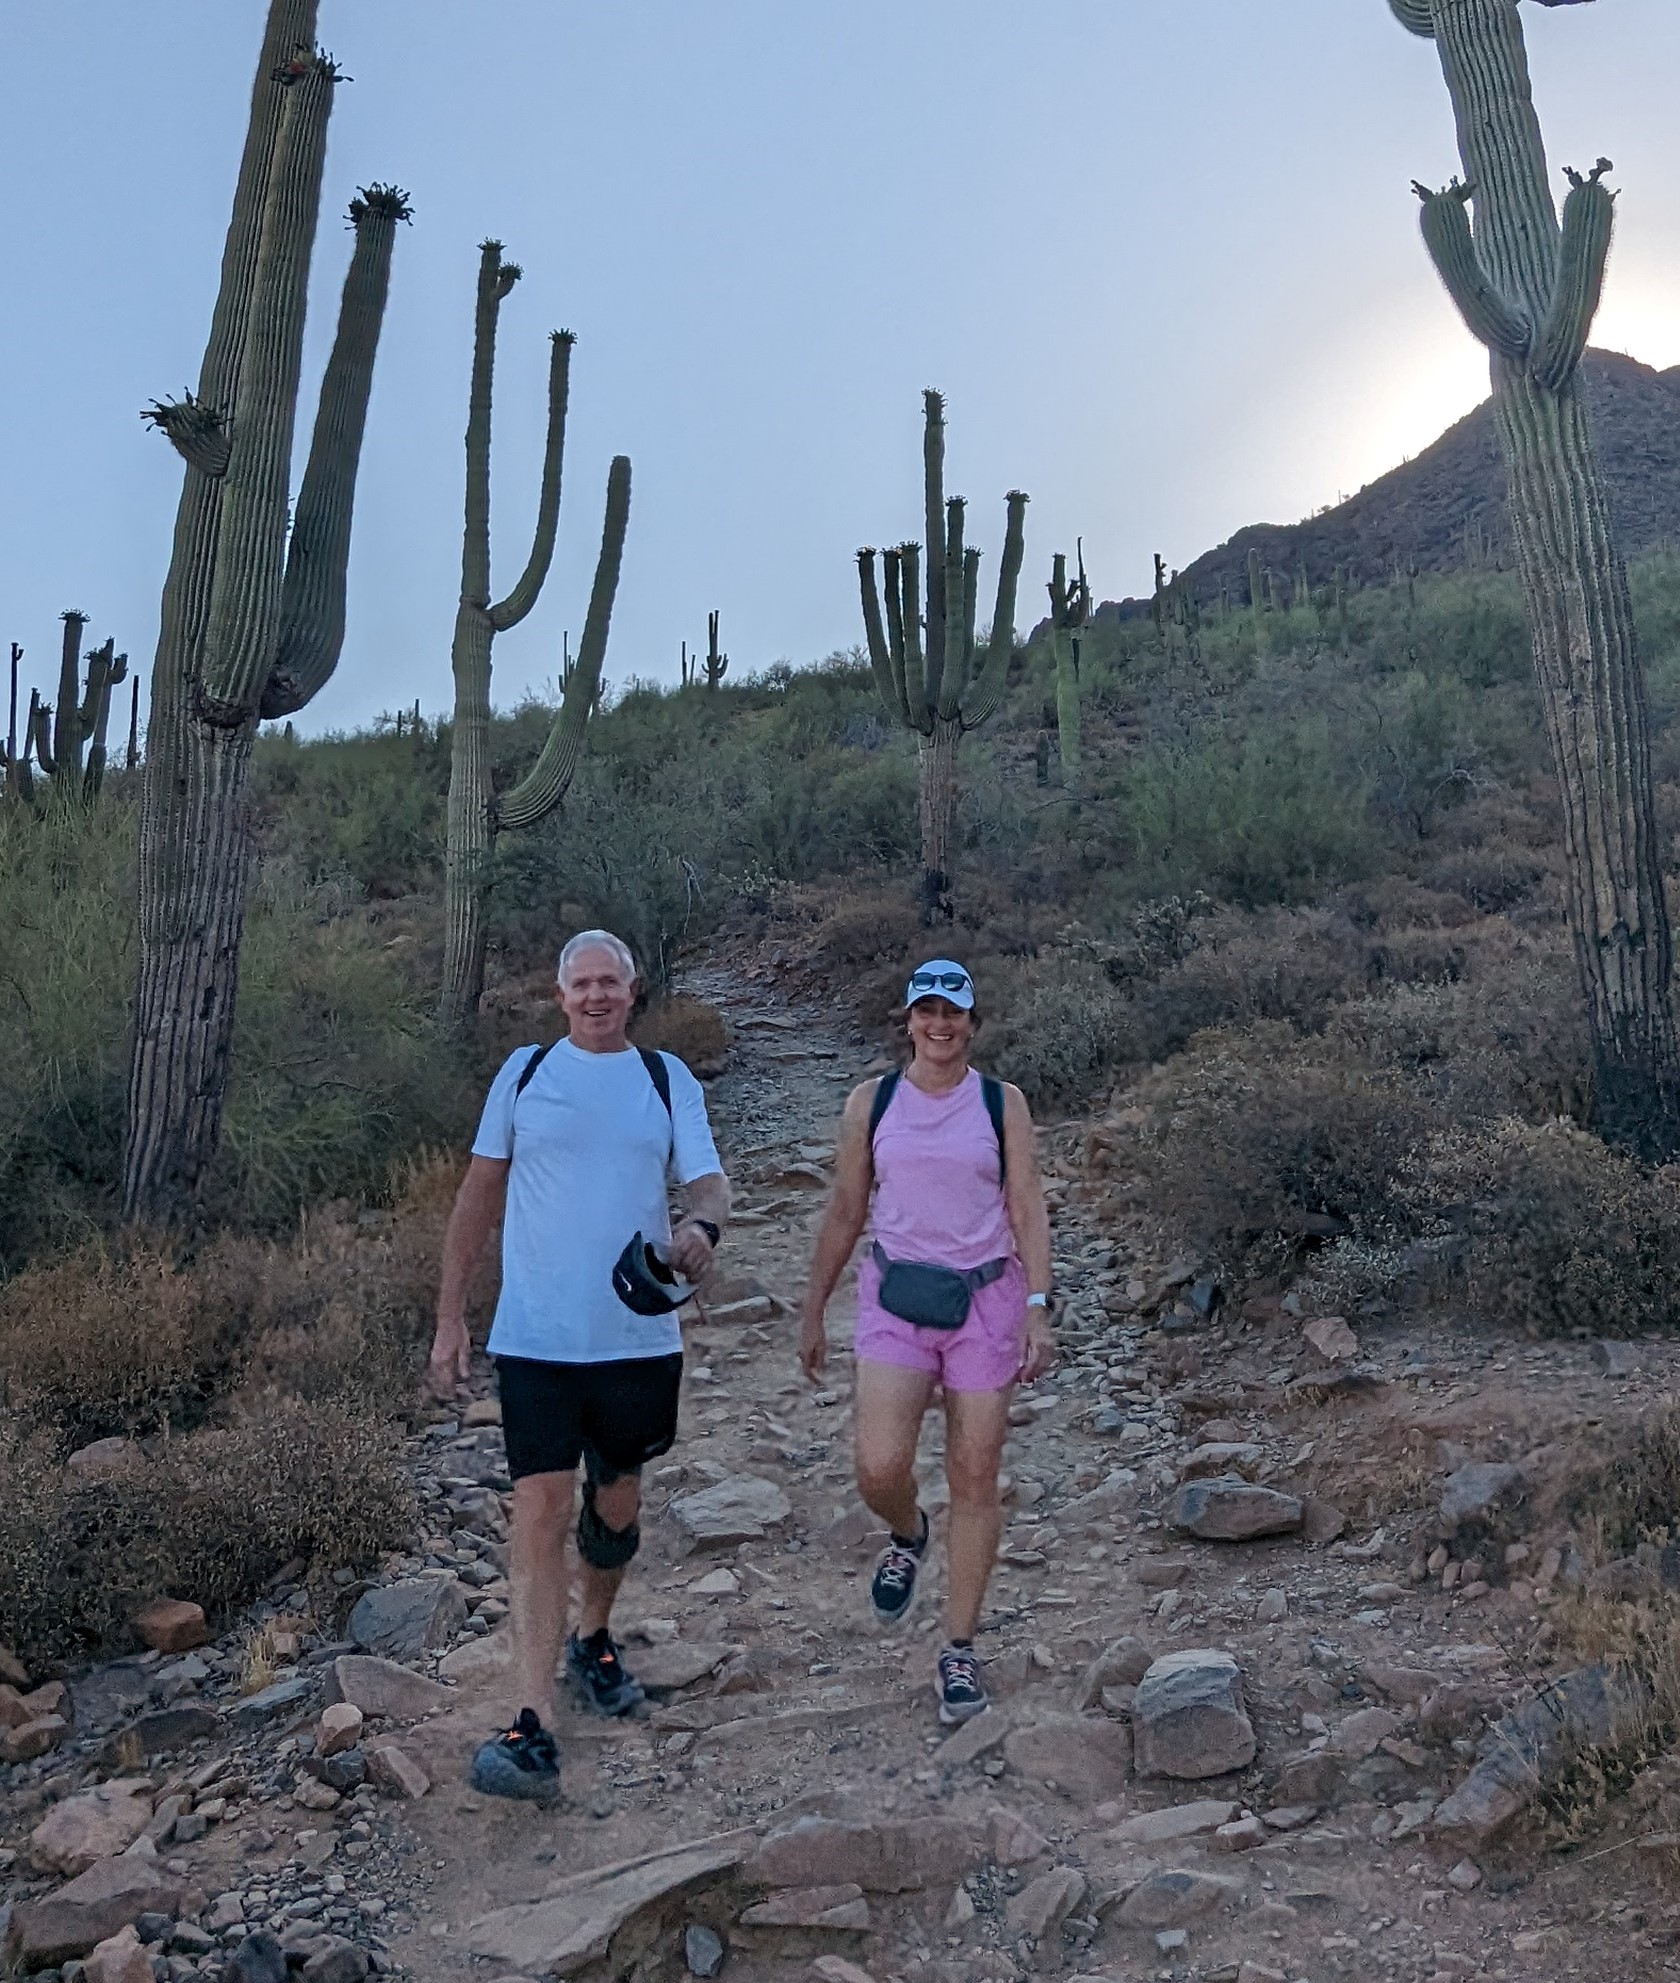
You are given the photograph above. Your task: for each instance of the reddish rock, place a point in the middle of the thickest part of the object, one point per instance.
(14, 1711)
(395, 1771)
(339, 1728)
(92, 1907)
(84, 1829)
(119, 1959)
(13, 1672)
(382, 1687)
(30, 1739)
(172, 1625)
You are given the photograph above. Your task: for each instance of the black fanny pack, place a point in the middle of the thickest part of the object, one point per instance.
(932, 1297)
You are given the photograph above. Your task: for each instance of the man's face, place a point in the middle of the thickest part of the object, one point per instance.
(597, 996)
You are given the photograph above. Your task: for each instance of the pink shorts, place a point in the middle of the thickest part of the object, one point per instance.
(985, 1354)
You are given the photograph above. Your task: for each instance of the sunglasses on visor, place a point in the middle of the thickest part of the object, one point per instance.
(926, 981)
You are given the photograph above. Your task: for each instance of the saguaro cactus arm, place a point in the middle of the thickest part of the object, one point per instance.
(717, 662)
(1589, 221)
(1418, 15)
(542, 788)
(885, 663)
(933, 495)
(318, 556)
(495, 282)
(985, 692)
(40, 733)
(198, 433)
(1452, 248)
(523, 597)
(67, 735)
(949, 677)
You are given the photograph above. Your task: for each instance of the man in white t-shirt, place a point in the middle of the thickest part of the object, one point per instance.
(572, 1155)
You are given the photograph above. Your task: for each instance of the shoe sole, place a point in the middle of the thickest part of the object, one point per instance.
(951, 1717)
(495, 1776)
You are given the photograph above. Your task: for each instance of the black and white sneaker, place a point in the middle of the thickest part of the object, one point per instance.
(598, 1674)
(962, 1695)
(520, 1762)
(892, 1589)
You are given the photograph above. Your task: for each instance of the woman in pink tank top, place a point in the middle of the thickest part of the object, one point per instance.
(953, 1293)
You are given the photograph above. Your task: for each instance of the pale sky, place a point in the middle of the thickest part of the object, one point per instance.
(1163, 259)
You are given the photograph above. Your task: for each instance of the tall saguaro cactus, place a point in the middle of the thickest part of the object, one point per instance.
(1528, 287)
(476, 814)
(1070, 609)
(252, 619)
(927, 670)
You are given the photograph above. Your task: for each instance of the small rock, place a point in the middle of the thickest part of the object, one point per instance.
(1240, 1835)
(1044, 1904)
(973, 1740)
(1466, 1876)
(1177, 1821)
(1359, 1735)
(1229, 1509)
(1013, 1840)
(335, 1960)
(90, 1908)
(339, 1728)
(1159, 1573)
(395, 1770)
(1188, 1719)
(119, 1959)
(1321, 1522)
(1170, 1899)
(482, 1411)
(702, 1950)
(381, 1687)
(1273, 1606)
(716, 1583)
(836, 1969)
(1409, 1685)
(961, 1911)
(881, 1856)
(1332, 1338)
(1477, 1492)
(103, 1457)
(314, 1795)
(1255, 1972)
(1171, 1940)
(13, 1672)
(172, 1625)
(274, 1700)
(1218, 1457)
(738, 1509)
(1618, 1359)
(402, 1620)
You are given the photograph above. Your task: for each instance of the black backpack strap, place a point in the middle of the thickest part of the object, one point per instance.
(659, 1074)
(529, 1069)
(992, 1092)
(885, 1089)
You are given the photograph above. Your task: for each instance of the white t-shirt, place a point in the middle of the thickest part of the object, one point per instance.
(590, 1143)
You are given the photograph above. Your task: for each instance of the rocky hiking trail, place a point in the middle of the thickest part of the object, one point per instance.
(1264, 1648)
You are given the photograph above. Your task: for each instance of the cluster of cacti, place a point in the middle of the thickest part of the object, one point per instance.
(1070, 609)
(710, 668)
(928, 671)
(65, 740)
(253, 604)
(476, 813)
(1528, 287)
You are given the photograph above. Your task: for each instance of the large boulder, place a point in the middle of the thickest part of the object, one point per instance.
(159, 1734)
(91, 1908)
(172, 1625)
(1228, 1508)
(1188, 1719)
(403, 1620)
(1478, 1492)
(738, 1509)
(882, 1856)
(91, 1826)
(573, 1925)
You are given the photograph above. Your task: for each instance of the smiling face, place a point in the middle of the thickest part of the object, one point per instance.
(941, 1033)
(597, 996)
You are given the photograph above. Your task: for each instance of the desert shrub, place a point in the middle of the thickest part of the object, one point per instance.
(1264, 1143)
(212, 1516)
(369, 806)
(1562, 1235)
(1059, 1030)
(688, 1027)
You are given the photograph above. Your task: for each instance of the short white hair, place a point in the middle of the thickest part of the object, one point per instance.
(597, 940)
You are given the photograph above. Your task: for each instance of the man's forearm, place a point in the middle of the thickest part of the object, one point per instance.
(709, 1198)
(470, 1225)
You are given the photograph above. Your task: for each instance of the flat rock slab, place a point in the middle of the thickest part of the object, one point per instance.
(279, 1699)
(91, 1908)
(810, 1907)
(158, 1733)
(678, 1663)
(1044, 1904)
(381, 1687)
(402, 1620)
(109, 1693)
(1188, 1719)
(573, 1925)
(1218, 1457)
(478, 1660)
(1230, 1509)
(886, 1856)
(89, 1827)
(1205, 1814)
(1086, 1757)
(974, 1739)
(1174, 1897)
(738, 1509)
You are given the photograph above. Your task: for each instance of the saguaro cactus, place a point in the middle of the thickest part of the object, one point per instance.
(19, 780)
(67, 738)
(1070, 609)
(252, 619)
(709, 668)
(934, 687)
(476, 814)
(1529, 287)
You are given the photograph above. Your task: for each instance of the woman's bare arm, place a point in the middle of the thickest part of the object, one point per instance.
(844, 1218)
(1029, 1220)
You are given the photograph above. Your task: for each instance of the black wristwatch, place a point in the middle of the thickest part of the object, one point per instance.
(713, 1233)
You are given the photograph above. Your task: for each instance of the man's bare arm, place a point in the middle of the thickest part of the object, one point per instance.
(477, 1211)
(707, 1198)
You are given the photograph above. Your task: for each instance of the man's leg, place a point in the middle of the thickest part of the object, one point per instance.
(976, 1425)
(617, 1504)
(891, 1403)
(542, 1516)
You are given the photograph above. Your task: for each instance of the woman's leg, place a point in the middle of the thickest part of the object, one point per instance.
(976, 1425)
(891, 1402)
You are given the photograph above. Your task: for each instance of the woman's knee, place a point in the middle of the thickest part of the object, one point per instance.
(881, 1471)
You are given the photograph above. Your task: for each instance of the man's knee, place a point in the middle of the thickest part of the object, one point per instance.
(602, 1546)
(543, 1500)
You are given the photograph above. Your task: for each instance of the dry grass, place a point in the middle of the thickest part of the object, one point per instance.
(688, 1027)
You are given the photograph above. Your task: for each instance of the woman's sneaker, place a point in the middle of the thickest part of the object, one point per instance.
(520, 1762)
(598, 1674)
(961, 1695)
(892, 1589)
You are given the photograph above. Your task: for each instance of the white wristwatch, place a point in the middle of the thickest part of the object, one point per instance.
(1038, 1301)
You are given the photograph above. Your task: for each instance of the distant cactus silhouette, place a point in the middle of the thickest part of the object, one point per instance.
(1070, 609)
(1528, 287)
(476, 815)
(65, 740)
(253, 613)
(710, 668)
(933, 686)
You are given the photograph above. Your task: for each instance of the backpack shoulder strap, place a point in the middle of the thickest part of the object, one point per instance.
(659, 1074)
(992, 1093)
(528, 1070)
(885, 1089)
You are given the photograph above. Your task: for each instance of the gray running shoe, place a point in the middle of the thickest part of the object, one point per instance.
(598, 1673)
(520, 1762)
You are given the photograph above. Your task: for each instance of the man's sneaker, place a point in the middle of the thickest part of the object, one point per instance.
(892, 1589)
(598, 1674)
(520, 1762)
(961, 1694)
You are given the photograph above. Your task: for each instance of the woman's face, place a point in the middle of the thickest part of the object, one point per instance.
(940, 1032)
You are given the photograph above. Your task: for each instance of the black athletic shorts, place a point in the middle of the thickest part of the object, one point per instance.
(613, 1416)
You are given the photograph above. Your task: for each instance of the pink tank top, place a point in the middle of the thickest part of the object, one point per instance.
(938, 1182)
